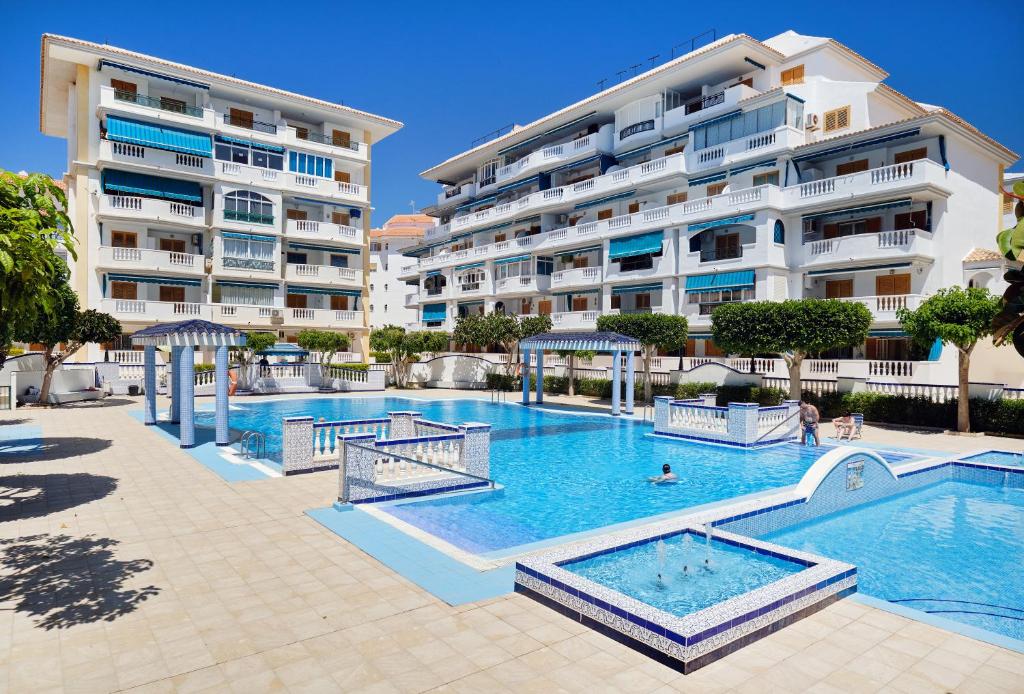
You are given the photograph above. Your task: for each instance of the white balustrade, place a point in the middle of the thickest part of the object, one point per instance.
(890, 368)
(702, 418)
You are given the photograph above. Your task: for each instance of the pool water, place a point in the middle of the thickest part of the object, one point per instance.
(562, 473)
(997, 458)
(691, 577)
(954, 549)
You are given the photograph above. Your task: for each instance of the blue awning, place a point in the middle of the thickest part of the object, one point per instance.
(329, 291)
(493, 227)
(546, 133)
(887, 333)
(152, 186)
(249, 143)
(514, 259)
(434, 312)
(518, 184)
(325, 249)
(577, 292)
(645, 148)
(284, 349)
(636, 245)
(861, 268)
(870, 142)
(724, 222)
(609, 198)
(574, 164)
(474, 203)
(748, 167)
(696, 284)
(246, 237)
(862, 209)
(433, 273)
(248, 285)
(706, 179)
(577, 251)
(146, 279)
(637, 288)
(470, 266)
(149, 73)
(158, 136)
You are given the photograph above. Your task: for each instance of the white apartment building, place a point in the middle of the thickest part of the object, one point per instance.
(387, 291)
(744, 170)
(196, 195)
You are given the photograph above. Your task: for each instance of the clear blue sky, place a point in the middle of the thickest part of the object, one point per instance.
(452, 70)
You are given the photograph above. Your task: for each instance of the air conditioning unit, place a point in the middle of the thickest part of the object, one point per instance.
(276, 318)
(811, 121)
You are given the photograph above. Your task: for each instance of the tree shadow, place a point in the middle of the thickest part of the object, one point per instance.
(12, 422)
(63, 581)
(34, 496)
(105, 402)
(35, 449)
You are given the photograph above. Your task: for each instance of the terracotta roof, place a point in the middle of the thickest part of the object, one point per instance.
(409, 219)
(403, 232)
(982, 254)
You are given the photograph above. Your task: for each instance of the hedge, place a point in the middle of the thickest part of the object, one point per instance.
(766, 397)
(351, 366)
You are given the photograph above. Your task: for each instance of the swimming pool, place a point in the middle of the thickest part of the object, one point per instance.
(954, 549)
(562, 473)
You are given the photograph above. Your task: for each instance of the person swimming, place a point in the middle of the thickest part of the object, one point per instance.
(666, 475)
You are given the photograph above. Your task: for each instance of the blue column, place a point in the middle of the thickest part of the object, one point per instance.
(526, 376)
(540, 376)
(221, 386)
(149, 360)
(175, 370)
(616, 381)
(185, 378)
(630, 381)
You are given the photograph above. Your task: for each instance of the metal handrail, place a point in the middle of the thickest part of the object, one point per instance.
(252, 443)
(777, 426)
(498, 395)
(250, 124)
(155, 102)
(398, 456)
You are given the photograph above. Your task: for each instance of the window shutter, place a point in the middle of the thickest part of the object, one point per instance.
(873, 224)
(675, 198)
(911, 155)
(837, 119)
(126, 87)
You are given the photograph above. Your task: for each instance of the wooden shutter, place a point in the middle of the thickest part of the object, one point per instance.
(616, 301)
(838, 289)
(295, 214)
(794, 75)
(727, 246)
(605, 214)
(301, 132)
(675, 198)
(831, 231)
(498, 238)
(525, 306)
(716, 188)
(172, 294)
(240, 118)
(884, 285)
(901, 284)
(871, 348)
(342, 176)
(124, 239)
(675, 150)
(643, 300)
(852, 167)
(125, 87)
(340, 138)
(633, 207)
(544, 307)
(579, 303)
(837, 119)
(712, 350)
(124, 290)
(172, 245)
(340, 218)
(579, 261)
(339, 303)
(691, 347)
(295, 301)
(169, 104)
(873, 224)
(911, 155)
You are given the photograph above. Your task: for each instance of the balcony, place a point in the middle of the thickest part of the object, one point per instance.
(924, 177)
(251, 268)
(884, 308)
(327, 144)
(322, 318)
(731, 152)
(242, 315)
(557, 155)
(323, 274)
(327, 187)
(456, 195)
(245, 221)
(412, 300)
(168, 162)
(702, 108)
(522, 285)
(154, 108)
(482, 288)
(151, 260)
(866, 249)
(152, 210)
(575, 320)
(132, 311)
(435, 293)
(576, 277)
(323, 231)
(251, 125)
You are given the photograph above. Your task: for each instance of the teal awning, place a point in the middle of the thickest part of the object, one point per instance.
(609, 198)
(246, 237)
(696, 284)
(147, 279)
(636, 245)
(158, 136)
(577, 251)
(515, 259)
(887, 333)
(326, 249)
(706, 179)
(748, 167)
(577, 292)
(152, 186)
(329, 291)
(247, 285)
(433, 273)
(434, 312)
(724, 222)
(863, 209)
(636, 288)
(470, 266)
(861, 268)
(250, 143)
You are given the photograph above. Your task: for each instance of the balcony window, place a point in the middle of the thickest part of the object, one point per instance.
(246, 251)
(766, 179)
(709, 301)
(249, 153)
(517, 268)
(246, 295)
(296, 258)
(488, 173)
(471, 280)
(341, 260)
(247, 206)
(718, 131)
(637, 262)
(310, 165)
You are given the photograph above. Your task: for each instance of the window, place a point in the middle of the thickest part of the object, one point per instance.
(123, 290)
(837, 119)
(246, 295)
(301, 132)
(716, 188)
(247, 206)
(675, 198)
(726, 246)
(175, 295)
(296, 258)
(124, 239)
(342, 176)
(245, 154)
(917, 219)
(633, 207)
(605, 214)
(172, 245)
(794, 75)
(780, 231)
(1007, 204)
(643, 302)
(767, 179)
(343, 219)
(240, 118)
(838, 289)
(296, 301)
(340, 260)
(545, 266)
(889, 285)
(523, 268)
(310, 165)
(251, 248)
(852, 167)
(674, 150)
(385, 286)
(471, 279)
(124, 90)
(340, 138)
(340, 303)
(375, 247)
(911, 155)
(295, 214)
(871, 225)
(787, 111)
(385, 308)
(488, 173)
(637, 262)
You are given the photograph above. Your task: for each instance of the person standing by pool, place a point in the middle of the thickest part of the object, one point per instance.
(809, 417)
(666, 475)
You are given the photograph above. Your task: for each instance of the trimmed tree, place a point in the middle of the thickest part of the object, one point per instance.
(33, 224)
(326, 343)
(793, 329)
(653, 330)
(246, 355)
(1008, 325)
(393, 345)
(570, 356)
(503, 330)
(959, 317)
(65, 330)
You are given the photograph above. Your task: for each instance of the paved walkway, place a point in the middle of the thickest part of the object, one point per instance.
(124, 564)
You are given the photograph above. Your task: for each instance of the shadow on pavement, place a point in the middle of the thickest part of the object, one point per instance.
(34, 496)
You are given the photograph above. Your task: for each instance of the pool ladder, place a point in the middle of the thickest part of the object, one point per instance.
(498, 395)
(253, 444)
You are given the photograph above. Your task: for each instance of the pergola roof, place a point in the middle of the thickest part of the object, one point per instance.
(284, 349)
(591, 341)
(189, 333)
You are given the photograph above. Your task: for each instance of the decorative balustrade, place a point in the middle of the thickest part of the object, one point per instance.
(823, 366)
(771, 418)
(891, 368)
(685, 414)
(928, 391)
(739, 424)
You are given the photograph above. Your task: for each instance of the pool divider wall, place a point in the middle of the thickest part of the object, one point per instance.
(743, 424)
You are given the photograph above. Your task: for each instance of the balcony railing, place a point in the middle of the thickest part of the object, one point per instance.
(155, 102)
(323, 139)
(250, 124)
(720, 254)
(247, 263)
(705, 102)
(250, 217)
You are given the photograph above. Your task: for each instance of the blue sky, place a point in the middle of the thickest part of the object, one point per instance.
(452, 71)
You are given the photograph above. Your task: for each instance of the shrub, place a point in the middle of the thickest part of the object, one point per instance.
(766, 397)
(200, 368)
(496, 381)
(350, 366)
(15, 351)
(688, 391)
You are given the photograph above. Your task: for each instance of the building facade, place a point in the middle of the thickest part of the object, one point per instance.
(198, 195)
(744, 170)
(387, 291)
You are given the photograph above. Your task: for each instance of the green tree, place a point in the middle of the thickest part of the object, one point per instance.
(33, 224)
(571, 355)
(653, 330)
(255, 342)
(1008, 325)
(326, 343)
(959, 317)
(393, 345)
(793, 329)
(503, 330)
(64, 330)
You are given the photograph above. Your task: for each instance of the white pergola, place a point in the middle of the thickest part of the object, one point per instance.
(594, 342)
(183, 338)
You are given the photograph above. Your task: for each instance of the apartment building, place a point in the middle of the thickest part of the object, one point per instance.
(387, 291)
(196, 195)
(744, 170)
